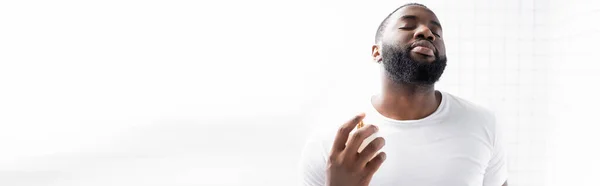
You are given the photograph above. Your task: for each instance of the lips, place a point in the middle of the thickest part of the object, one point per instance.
(424, 48)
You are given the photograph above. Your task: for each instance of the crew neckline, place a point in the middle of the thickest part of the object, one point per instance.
(431, 116)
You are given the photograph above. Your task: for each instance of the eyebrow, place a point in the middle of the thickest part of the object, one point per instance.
(415, 17)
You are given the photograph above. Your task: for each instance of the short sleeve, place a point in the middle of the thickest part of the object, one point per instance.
(313, 163)
(496, 172)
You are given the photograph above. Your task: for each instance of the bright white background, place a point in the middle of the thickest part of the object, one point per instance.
(224, 92)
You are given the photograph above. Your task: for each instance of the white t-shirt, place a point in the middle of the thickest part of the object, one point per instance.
(458, 145)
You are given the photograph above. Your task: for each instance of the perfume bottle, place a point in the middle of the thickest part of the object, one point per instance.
(367, 121)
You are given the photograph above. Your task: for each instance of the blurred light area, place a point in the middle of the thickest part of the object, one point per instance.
(162, 93)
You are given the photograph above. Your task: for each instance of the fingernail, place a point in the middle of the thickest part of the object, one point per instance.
(383, 156)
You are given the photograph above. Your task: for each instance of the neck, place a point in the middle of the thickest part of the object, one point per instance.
(403, 101)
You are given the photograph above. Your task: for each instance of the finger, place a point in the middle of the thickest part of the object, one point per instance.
(358, 137)
(375, 163)
(370, 150)
(339, 144)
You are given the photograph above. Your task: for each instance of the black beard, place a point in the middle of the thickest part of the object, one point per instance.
(402, 69)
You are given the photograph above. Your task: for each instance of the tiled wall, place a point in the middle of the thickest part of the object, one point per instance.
(500, 54)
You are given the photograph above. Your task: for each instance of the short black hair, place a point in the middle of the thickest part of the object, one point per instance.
(384, 23)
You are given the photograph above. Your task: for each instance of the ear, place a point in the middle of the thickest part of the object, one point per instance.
(376, 53)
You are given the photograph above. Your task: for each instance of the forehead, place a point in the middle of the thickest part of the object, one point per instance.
(420, 12)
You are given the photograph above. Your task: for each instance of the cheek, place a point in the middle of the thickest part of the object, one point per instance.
(406, 38)
(441, 49)
(401, 38)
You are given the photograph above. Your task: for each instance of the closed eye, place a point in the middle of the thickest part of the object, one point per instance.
(411, 28)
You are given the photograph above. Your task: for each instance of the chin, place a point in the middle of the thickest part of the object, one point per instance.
(422, 59)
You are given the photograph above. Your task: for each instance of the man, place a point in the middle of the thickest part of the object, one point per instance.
(431, 138)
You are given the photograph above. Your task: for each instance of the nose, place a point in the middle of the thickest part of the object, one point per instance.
(423, 32)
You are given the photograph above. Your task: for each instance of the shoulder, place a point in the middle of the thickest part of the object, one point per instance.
(474, 116)
(330, 116)
(470, 109)
(327, 120)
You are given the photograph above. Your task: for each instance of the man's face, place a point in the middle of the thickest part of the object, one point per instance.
(412, 49)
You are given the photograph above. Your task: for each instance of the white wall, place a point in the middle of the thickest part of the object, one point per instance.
(223, 92)
(574, 148)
